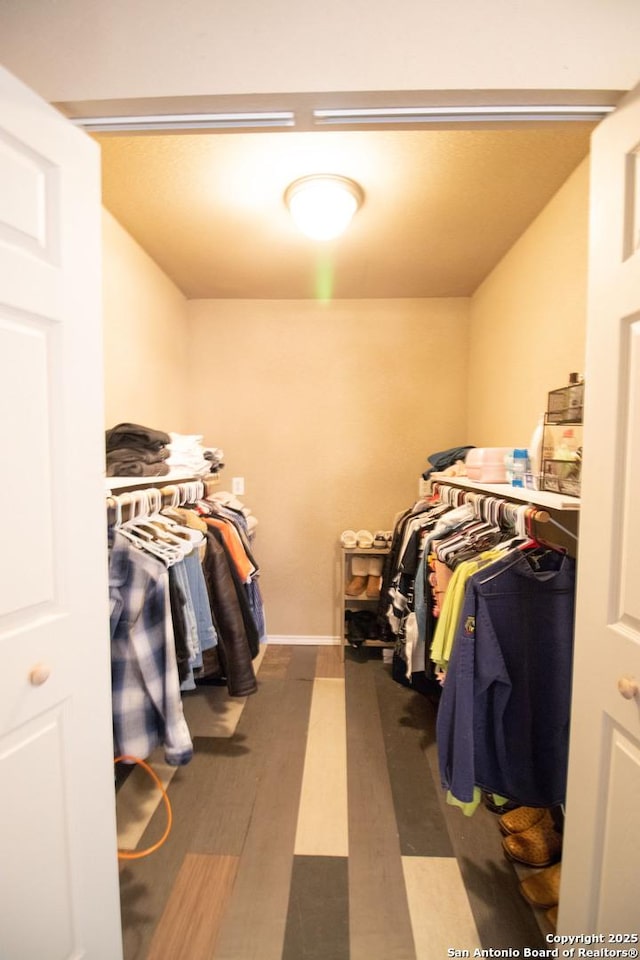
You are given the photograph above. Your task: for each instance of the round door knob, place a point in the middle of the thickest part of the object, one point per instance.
(39, 674)
(628, 687)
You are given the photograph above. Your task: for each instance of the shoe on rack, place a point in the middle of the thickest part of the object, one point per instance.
(356, 586)
(364, 539)
(380, 540)
(348, 539)
(515, 821)
(373, 587)
(542, 889)
(539, 846)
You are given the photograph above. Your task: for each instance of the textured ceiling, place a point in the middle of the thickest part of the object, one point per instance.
(441, 206)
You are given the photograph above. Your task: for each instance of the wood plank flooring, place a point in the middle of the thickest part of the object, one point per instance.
(310, 825)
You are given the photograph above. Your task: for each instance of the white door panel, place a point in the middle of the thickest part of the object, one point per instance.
(620, 869)
(601, 856)
(39, 746)
(24, 217)
(24, 390)
(58, 860)
(626, 594)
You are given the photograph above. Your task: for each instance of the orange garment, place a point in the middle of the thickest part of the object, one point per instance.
(235, 547)
(441, 576)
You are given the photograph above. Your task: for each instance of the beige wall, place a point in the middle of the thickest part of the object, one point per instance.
(328, 410)
(144, 337)
(528, 321)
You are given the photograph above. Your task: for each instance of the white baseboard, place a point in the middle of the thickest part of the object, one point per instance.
(314, 641)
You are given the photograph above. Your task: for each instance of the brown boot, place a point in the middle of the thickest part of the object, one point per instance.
(539, 846)
(373, 587)
(515, 821)
(542, 889)
(356, 586)
(375, 577)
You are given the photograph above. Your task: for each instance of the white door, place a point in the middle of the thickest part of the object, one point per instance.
(601, 860)
(58, 862)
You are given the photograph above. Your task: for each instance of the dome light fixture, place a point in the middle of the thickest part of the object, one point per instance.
(322, 205)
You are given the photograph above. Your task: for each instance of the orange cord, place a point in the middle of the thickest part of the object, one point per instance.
(138, 854)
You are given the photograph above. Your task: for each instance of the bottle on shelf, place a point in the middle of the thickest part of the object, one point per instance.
(520, 466)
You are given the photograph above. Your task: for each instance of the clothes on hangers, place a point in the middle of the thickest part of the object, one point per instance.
(503, 719)
(238, 639)
(206, 635)
(223, 506)
(191, 615)
(147, 708)
(488, 613)
(186, 608)
(453, 600)
(233, 523)
(183, 621)
(244, 566)
(407, 599)
(225, 500)
(401, 563)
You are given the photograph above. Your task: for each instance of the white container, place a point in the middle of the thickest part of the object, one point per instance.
(520, 466)
(486, 464)
(535, 454)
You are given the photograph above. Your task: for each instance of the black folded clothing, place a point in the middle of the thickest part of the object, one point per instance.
(121, 454)
(135, 468)
(136, 436)
(445, 458)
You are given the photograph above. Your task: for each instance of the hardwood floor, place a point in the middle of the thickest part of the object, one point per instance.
(310, 825)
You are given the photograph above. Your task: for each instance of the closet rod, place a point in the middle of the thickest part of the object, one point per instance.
(470, 496)
(459, 495)
(153, 496)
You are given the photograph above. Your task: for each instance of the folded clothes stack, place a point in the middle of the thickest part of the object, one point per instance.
(136, 451)
(215, 456)
(187, 453)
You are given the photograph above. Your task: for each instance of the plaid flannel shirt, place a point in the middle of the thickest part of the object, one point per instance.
(147, 707)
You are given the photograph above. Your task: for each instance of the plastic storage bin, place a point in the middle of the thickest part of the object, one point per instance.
(486, 464)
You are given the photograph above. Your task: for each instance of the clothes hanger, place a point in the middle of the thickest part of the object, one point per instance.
(170, 531)
(139, 531)
(137, 503)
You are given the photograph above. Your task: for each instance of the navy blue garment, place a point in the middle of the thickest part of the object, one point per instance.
(503, 719)
(445, 458)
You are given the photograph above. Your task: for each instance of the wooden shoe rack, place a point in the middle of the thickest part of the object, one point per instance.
(360, 602)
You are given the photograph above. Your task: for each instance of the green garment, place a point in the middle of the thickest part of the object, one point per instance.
(470, 807)
(444, 635)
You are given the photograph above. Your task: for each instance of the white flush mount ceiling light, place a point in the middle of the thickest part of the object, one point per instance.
(322, 205)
